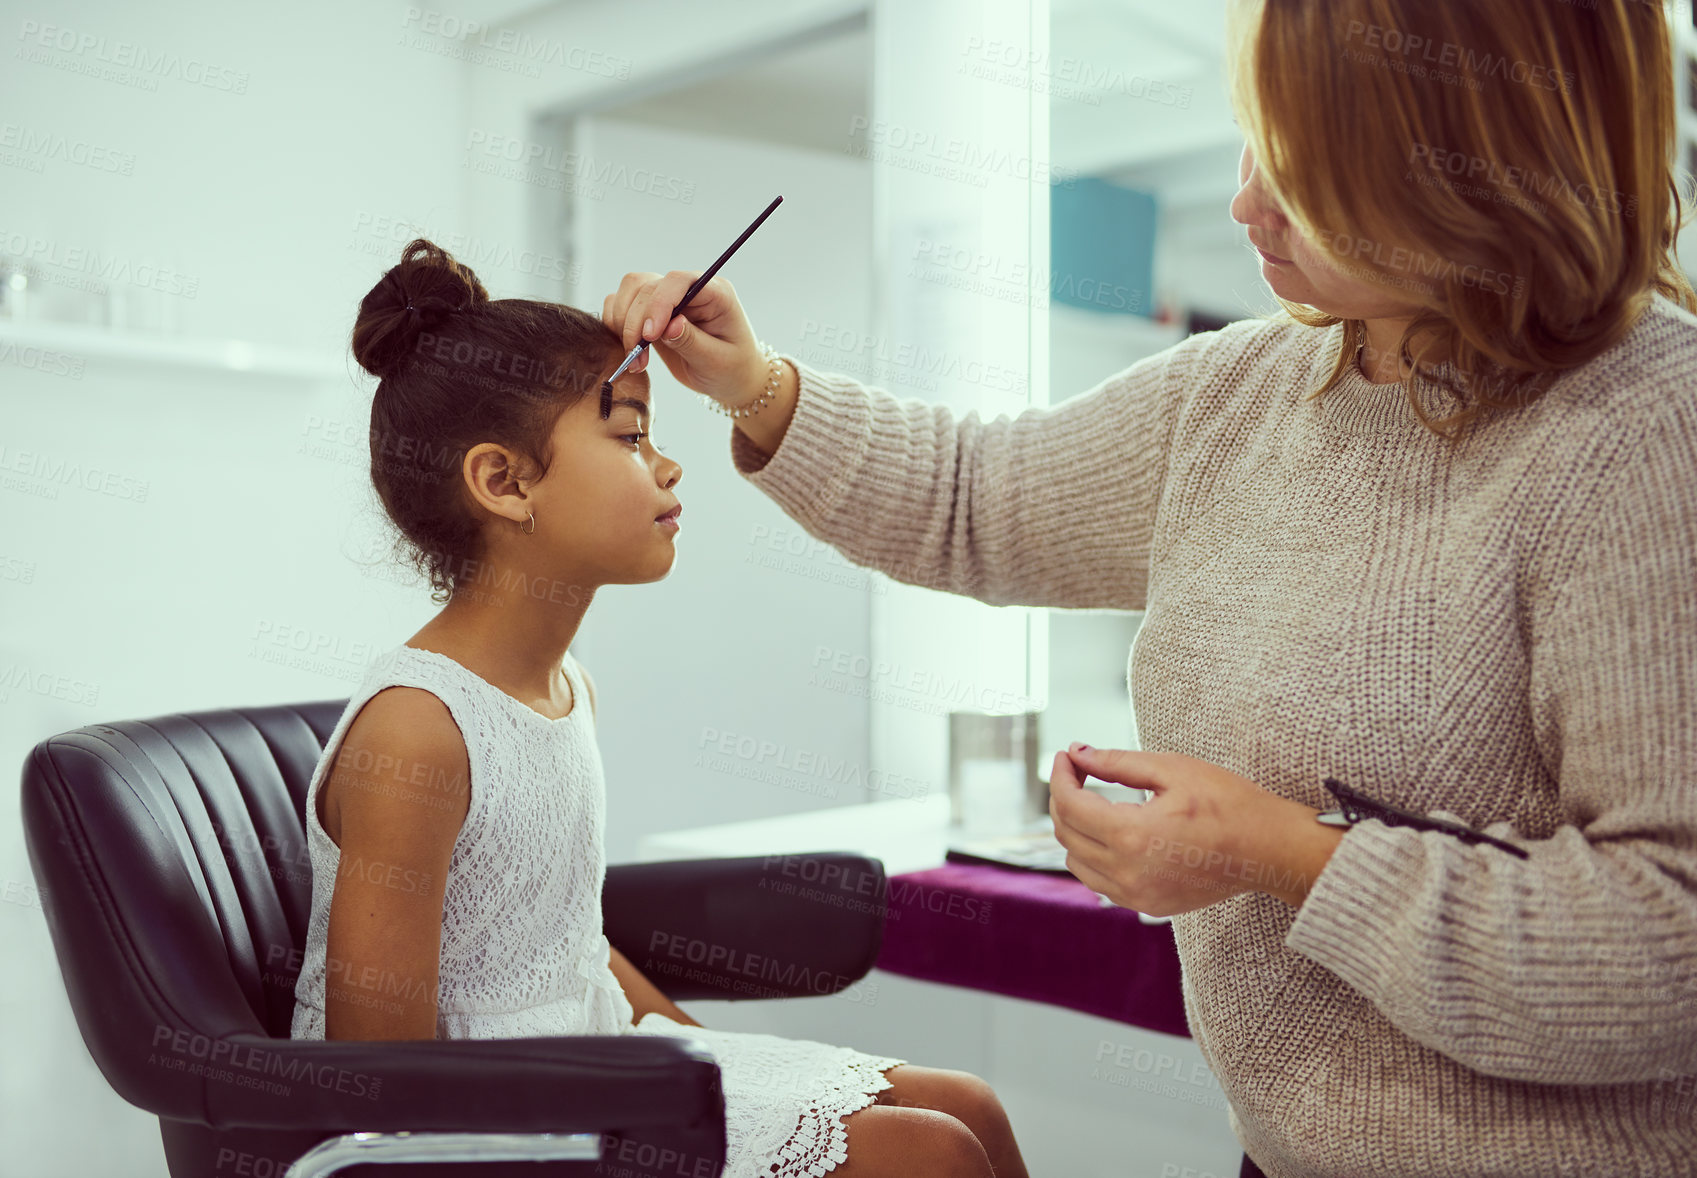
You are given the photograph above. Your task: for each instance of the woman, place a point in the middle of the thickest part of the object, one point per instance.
(1462, 581)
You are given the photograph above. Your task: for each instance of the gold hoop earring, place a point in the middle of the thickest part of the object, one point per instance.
(531, 530)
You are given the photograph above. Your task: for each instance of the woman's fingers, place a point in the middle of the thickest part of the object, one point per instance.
(641, 309)
(651, 313)
(1137, 769)
(643, 298)
(715, 352)
(1089, 876)
(1084, 846)
(1072, 806)
(616, 307)
(1076, 838)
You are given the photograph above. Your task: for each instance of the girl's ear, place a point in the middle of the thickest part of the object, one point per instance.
(489, 470)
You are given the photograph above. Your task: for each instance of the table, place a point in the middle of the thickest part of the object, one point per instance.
(1032, 935)
(1022, 934)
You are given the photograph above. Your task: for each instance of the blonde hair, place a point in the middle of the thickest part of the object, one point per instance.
(1504, 166)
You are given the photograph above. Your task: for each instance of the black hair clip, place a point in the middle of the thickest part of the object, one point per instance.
(1355, 806)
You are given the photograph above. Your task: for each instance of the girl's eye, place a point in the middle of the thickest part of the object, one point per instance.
(636, 440)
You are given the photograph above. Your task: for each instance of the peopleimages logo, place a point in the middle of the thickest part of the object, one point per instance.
(35, 146)
(1416, 268)
(599, 175)
(1426, 54)
(947, 156)
(519, 45)
(42, 360)
(248, 1066)
(694, 959)
(754, 756)
(97, 266)
(912, 356)
(378, 234)
(55, 471)
(48, 685)
(128, 55)
(1459, 166)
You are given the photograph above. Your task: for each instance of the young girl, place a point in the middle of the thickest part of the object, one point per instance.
(454, 821)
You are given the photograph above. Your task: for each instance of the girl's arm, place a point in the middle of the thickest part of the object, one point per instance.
(643, 994)
(396, 838)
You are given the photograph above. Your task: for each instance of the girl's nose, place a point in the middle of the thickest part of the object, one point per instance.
(671, 470)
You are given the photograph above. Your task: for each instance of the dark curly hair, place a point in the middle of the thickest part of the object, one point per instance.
(456, 369)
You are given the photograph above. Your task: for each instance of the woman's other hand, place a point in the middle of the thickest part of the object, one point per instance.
(1207, 833)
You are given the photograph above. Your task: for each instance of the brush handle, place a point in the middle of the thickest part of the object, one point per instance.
(695, 287)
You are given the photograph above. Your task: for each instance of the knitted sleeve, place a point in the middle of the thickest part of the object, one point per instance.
(1055, 507)
(1577, 965)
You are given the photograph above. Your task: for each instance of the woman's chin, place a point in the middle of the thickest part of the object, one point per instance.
(1287, 281)
(1294, 288)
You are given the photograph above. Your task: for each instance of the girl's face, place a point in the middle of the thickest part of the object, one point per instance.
(597, 509)
(1298, 271)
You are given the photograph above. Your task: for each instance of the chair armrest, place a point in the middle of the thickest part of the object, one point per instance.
(559, 1084)
(763, 926)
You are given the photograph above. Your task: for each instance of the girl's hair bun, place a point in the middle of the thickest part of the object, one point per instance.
(425, 288)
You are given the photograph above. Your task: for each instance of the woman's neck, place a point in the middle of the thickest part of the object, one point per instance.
(1380, 358)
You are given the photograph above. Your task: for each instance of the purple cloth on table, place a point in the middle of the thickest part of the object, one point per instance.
(1033, 935)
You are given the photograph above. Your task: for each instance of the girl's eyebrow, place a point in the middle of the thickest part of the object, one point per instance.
(641, 407)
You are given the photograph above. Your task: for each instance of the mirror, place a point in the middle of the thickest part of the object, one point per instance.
(1143, 253)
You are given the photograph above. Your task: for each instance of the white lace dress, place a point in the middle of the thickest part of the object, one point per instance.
(523, 953)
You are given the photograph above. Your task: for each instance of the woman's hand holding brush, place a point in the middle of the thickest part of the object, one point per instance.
(708, 346)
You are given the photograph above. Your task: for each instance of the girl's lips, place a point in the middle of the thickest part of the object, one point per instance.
(671, 517)
(1271, 258)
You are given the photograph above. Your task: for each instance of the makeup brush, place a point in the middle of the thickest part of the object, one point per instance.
(694, 289)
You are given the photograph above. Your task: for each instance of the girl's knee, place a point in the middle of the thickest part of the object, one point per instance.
(971, 1098)
(946, 1146)
(908, 1141)
(978, 1090)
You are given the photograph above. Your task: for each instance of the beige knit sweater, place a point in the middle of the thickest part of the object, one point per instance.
(1506, 635)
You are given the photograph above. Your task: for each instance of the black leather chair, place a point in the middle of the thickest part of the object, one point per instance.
(171, 858)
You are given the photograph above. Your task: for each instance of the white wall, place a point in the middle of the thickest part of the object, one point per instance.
(267, 200)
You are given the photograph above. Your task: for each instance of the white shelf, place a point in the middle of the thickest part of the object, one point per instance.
(99, 344)
(908, 835)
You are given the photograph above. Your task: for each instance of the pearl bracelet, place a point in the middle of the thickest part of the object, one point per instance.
(765, 398)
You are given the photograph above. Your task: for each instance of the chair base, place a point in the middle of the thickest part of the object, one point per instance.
(196, 1151)
(361, 1148)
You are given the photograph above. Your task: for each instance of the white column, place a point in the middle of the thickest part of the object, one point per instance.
(959, 147)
